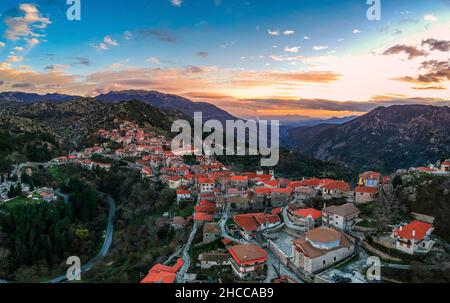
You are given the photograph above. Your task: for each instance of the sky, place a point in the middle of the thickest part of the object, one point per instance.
(254, 58)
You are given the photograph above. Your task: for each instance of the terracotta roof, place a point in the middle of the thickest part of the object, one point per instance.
(445, 163)
(345, 210)
(163, 274)
(323, 235)
(251, 222)
(364, 189)
(305, 247)
(204, 217)
(247, 254)
(239, 178)
(314, 213)
(263, 190)
(183, 192)
(418, 228)
(339, 185)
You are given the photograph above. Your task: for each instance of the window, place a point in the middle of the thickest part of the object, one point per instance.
(335, 259)
(324, 262)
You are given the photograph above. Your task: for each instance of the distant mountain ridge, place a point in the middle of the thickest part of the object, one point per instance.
(154, 98)
(385, 139)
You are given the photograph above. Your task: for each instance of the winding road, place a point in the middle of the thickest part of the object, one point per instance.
(106, 244)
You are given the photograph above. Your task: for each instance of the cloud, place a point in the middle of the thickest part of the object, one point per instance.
(32, 42)
(202, 54)
(294, 49)
(82, 61)
(127, 35)
(273, 32)
(436, 72)
(163, 35)
(153, 60)
(176, 3)
(2, 44)
(18, 49)
(286, 58)
(320, 47)
(357, 31)
(306, 38)
(411, 51)
(110, 41)
(288, 32)
(430, 18)
(14, 59)
(23, 26)
(22, 85)
(441, 45)
(107, 42)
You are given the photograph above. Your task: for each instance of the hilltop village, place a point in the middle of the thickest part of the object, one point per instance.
(254, 226)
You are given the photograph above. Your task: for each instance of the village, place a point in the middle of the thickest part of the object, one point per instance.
(250, 226)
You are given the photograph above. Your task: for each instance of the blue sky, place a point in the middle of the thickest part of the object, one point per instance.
(221, 51)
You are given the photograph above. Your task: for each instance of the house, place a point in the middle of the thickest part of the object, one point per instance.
(445, 166)
(206, 185)
(211, 259)
(239, 181)
(336, 189)
(48, 196)
(86, 164)
(211, 232)
(280, 196)
(163, 274)
(179, 223)
(146, 172)
(250, 224)
(183, 194)
(174, 182)
(103, 166)
(414, 237)
(369, 179)
(341, 217)
(248, 260)
(203, 217)
(308, 218)
(321, 248)
(365, 194)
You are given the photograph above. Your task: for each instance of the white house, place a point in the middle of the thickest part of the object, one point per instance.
(414, 237)
(340, 217)
(321, 248)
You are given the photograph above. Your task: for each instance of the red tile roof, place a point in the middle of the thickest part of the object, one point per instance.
(419, 228)
(163, 274)
(203, 217)
(251, 222)
(337, 185)
(363, 189)
(314, 213)
(248, 254)
(239, 178)
(263, 191)
(183, 192)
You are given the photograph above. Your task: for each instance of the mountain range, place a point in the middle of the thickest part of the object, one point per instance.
(154, 98)
(385, 139)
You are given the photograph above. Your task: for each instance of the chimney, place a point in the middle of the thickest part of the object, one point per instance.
(414, 233)
(401, 228)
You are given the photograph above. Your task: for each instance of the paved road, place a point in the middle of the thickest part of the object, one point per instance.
(106, 244)
(186, 256)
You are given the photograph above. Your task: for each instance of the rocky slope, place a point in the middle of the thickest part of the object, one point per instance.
(385, 139)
